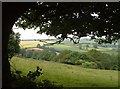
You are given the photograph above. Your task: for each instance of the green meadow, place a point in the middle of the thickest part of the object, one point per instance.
(68, 45)
(67, 75)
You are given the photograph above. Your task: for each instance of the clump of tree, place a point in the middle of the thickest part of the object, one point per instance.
(13, 44)
(91, 59)
(104, 60)
(39, 55)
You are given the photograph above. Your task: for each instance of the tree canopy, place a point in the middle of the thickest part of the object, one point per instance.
(13, 44)
(61, 19)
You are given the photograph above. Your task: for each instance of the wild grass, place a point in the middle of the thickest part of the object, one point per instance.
(67, 75)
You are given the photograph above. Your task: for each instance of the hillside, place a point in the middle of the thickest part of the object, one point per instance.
(68, 75)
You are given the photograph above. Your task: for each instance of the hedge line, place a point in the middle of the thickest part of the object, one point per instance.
(91, 59)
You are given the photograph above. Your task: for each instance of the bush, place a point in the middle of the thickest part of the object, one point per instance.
(72, 57)
(23, 52)
(25, 82)
(29, 54)
(60, 57)
(13, 44)
(79, 62)
(52, 56)
(115, 67)
(86, 57)
(99, 65)
(92, 58)
(89, 65)
(95, 54)
(28, 81)
(35, 55)
(103, 60)
(45, 55)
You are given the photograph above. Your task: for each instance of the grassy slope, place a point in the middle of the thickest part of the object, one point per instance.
(68, 75)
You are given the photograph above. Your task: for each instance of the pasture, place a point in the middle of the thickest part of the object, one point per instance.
(68, 45)
(67, 75)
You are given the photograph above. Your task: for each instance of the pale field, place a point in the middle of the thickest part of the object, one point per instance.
(26, 44)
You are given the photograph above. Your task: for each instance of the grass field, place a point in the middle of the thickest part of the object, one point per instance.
(68, 75)
(66, 46)
(26, 44)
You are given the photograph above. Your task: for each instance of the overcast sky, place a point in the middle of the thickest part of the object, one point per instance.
(30, 34)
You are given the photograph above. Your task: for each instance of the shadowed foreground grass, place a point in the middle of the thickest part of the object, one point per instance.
(67, 75)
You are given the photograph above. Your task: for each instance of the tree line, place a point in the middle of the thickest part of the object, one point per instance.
(91, 59)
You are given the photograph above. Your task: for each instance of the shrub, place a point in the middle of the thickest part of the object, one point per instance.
(52, 56)
(92, 58)
(23, 52)
(106, 60)
(86, 57)
(70, 58)
(79, 62)
(60, 57)
(28, 81)
(99, 65)
(25, 82)
(29, 54)
(45, 55)
(94, 53)
(35, 55)
(13, 44)
(103, 60)
(89, 65)
(115, 67)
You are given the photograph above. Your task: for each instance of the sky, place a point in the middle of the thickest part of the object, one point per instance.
(30, 34)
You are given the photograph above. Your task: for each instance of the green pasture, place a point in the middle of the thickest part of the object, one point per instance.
(67, 75)
(62, 47)
(68, 45)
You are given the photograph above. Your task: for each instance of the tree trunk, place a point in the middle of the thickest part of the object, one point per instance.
(11, 11)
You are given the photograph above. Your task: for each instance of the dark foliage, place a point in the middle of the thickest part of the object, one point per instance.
(91, 59)
(13, 44)
(60, 18)
(44, 55)
(28, 81)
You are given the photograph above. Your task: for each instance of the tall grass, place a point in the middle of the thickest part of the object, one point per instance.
(67, 75)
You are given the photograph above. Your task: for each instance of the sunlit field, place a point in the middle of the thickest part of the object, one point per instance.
(27, 44)
(66, 46)
(67, 75)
